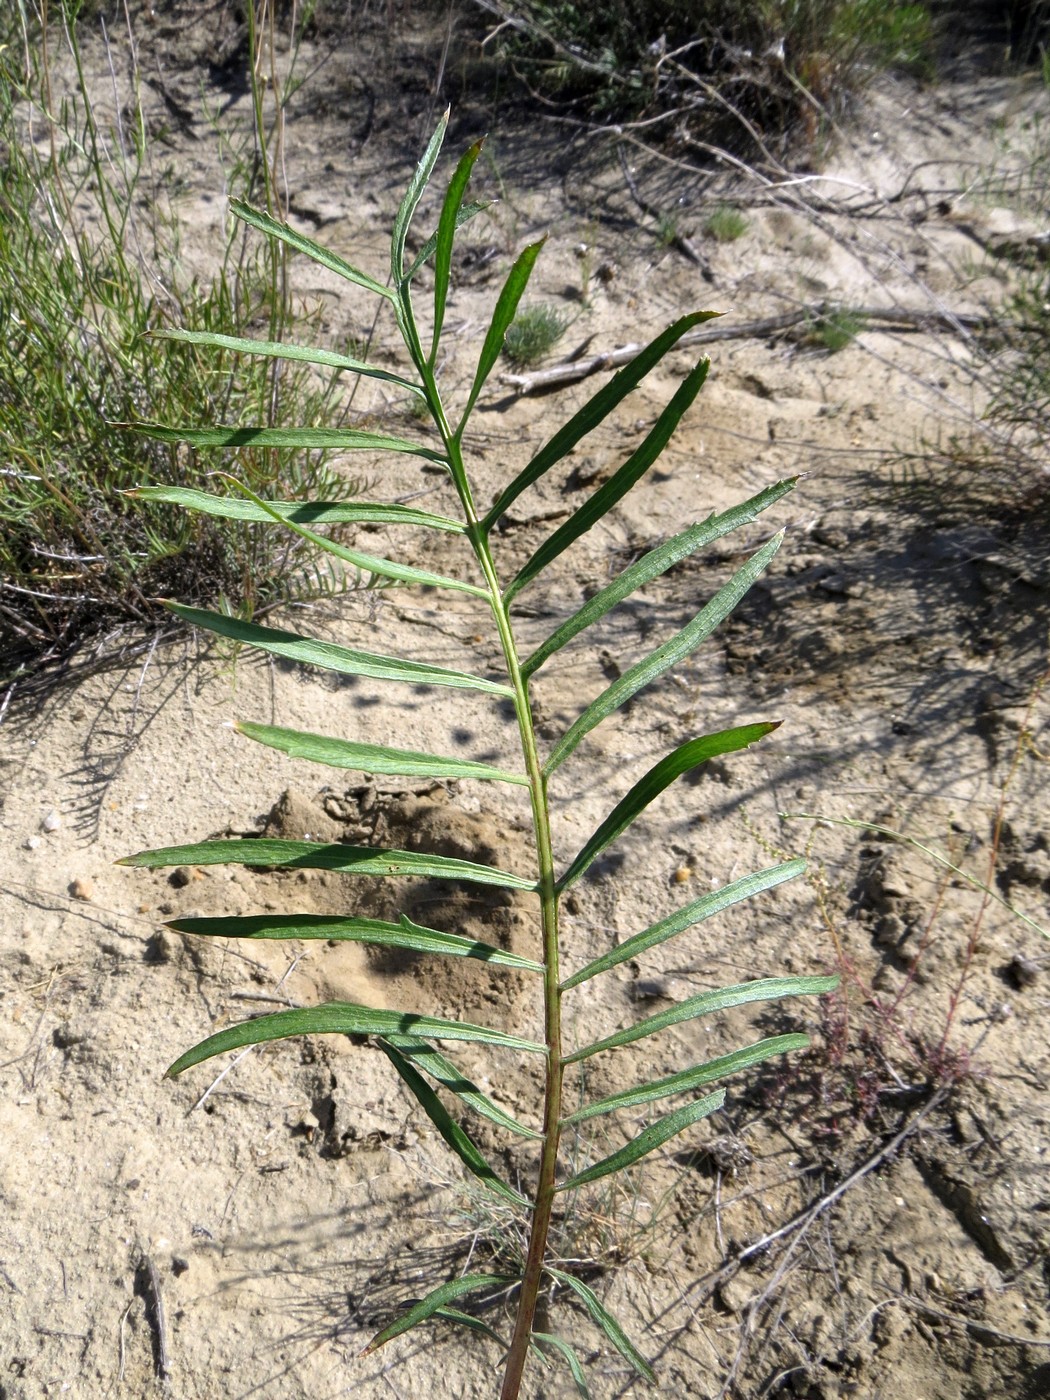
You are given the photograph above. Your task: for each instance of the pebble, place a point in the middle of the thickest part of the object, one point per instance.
(735, 1295)
(160, 946)
(1021, 971)
(51, 822)
(31, 843)
(82, 888)
(650, 989)
(180, 877)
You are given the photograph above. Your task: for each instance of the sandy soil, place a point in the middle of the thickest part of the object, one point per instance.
(246, 1232)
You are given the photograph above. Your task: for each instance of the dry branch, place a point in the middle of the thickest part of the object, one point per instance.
(891, 318)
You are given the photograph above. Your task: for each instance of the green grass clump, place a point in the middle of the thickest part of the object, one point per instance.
(834, 331)
(534, 333)
(725, 224)
(79, 299)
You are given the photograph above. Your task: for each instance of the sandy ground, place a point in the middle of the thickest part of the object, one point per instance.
(867, 1219)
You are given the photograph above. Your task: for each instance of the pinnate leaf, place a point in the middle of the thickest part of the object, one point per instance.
(688, 1079)
(605, 1320)
(455, 1138)
(371, 758)
(594, 411)
(666, 656)
(302, 512)
(331, 657)
(284, 233)
(418, 183)
(316, 855)
(616, 487)
(434, 1302)
(682, 919)
(424, 1055)
(686, 757)
(313, 439)
(342, 1018)
(506, 306)
(721, 999)
(648, 1141)
(414, 938)
(651, 565)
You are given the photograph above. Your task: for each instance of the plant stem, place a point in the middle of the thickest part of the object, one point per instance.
(545, 1189)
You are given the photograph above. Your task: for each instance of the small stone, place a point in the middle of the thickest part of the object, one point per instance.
(31, 843)
(160, 946)
(180, 877)
(650, 989)
(66, 1036)
(51, 822)
(1021, 971)
(735, 1295)
(82, 888)
(889, 930)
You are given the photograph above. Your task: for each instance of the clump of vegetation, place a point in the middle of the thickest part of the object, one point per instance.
(551, 1176)
(534, 333)
(835, 330)
(725, 224)
(80, 302)
(716, 69)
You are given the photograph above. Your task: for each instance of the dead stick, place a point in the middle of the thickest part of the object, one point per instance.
(972, 1324)
(159, 1322)
(902, 318)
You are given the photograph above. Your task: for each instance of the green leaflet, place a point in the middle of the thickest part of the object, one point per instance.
(570, 1358)
(342, 1018)
(408, 935)
(687, 756)
(594, 411)
(688, 1079)
(321, 439)
(439, 1067)
(275, 349)
(434, 1302)
(608, 1324)
(370, 563)
(691, 914)
(517, 280)
(371, 758)
(648, 1141)
(454, 1136)
(303, 512)
(331, 657)
(652, 565)
(474, 1323)
(313, 855)
(273, 228)
(446, 233)
(413, 194)
(764, 989)
(666, 656)
(466, 213)
(616, 487)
